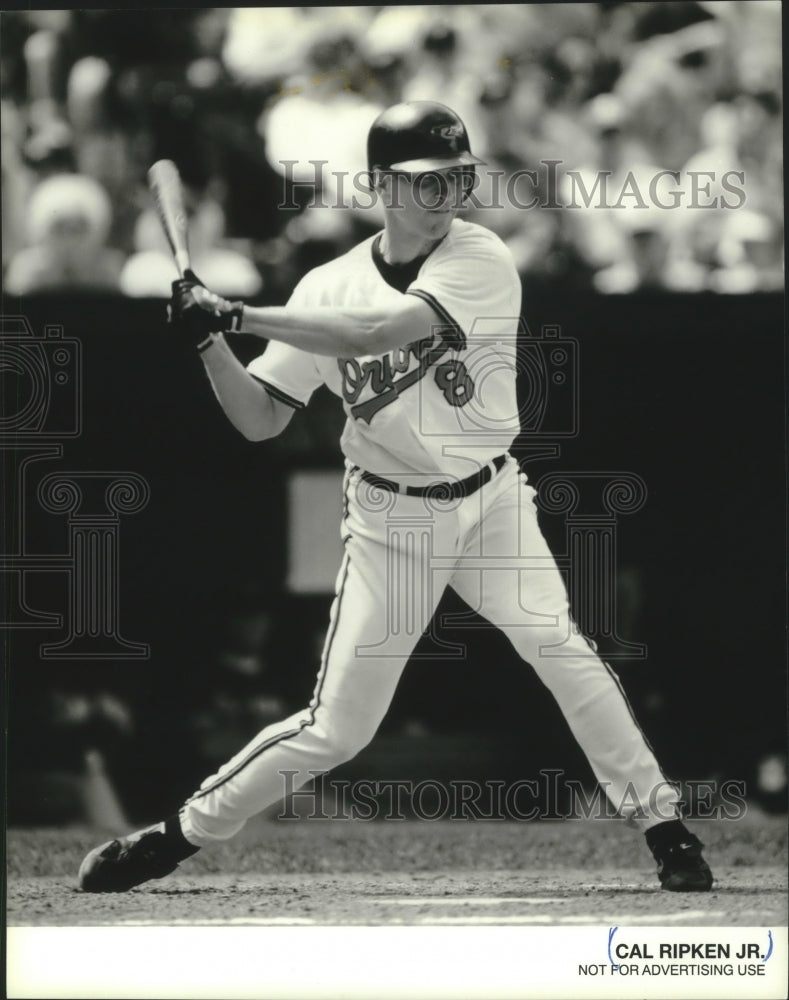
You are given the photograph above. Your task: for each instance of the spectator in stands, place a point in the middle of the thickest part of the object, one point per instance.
(670, 82)
(322, 116)
(68, 219)
(394, 34)
(759, 147)
(750, 253)
(600, 191)
(443, 74)
(528, 234)
(644, 264)
(103, 142)
(386, 71)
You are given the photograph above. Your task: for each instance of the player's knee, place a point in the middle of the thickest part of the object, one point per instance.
(343, 740)
(546, 641)
(347, 745)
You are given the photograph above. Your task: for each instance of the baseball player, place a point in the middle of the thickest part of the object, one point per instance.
(415, 330)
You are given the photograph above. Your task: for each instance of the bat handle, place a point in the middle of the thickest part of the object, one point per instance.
(182, 261)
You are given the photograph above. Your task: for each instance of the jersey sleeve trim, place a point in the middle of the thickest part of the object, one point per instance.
(283, 397)
(454, 336)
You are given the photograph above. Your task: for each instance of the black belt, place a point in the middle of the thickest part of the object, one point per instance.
(441, 491)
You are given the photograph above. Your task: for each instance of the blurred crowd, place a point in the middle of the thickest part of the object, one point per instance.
(628, 145)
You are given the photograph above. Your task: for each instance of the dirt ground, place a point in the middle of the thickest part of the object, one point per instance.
(413, 873)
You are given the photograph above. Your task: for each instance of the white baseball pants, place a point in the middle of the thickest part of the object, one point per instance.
(400, 554)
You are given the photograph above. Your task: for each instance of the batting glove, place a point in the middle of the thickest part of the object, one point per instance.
(200, 314)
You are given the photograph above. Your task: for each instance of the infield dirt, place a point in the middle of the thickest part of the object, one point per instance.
(351, 872)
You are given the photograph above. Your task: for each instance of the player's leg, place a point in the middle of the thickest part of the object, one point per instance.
(509, 575)
(386, 594)
(387, 591)
(351, 697)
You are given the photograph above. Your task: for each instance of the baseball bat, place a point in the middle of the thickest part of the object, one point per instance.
(168, 196)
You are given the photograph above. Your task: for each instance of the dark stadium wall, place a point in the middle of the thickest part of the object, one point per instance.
(685, 393)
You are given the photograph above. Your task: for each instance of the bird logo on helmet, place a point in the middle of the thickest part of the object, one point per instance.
(447, 131)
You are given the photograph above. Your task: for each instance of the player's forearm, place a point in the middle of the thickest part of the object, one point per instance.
(246, 403)
(335, 332)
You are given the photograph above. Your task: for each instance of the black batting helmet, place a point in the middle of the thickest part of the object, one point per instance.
(417, 137)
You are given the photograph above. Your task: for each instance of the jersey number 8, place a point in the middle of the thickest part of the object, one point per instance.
(453, 379)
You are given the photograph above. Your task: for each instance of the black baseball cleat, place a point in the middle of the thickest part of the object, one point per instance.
(681, 866)
(121, 864)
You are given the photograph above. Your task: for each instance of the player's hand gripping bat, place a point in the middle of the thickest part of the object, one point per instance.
(198, 312)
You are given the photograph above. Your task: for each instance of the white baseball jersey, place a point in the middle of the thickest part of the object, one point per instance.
(443, 404)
